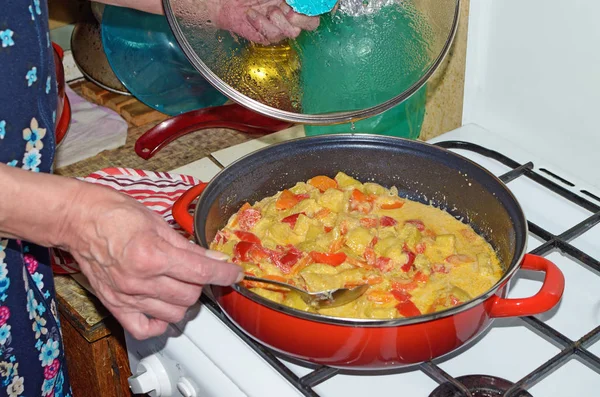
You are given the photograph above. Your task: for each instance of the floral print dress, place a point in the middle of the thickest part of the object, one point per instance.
(32, 360)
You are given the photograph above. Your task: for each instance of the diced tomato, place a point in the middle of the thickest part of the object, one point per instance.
(287, 200)
(379, 296)
(408, 309)
(249, 252)
(459, 259)
(384, 264)
(411, 261)
(327, 229)
(359, 196)
(221, 237)
(248, 218)
(400, 296)
(420, 248)
(291, 220)
(360, 202)
(386, 221)
(421, 277)
(370, 256)
(369, 223)
(328, 259)
(323, 183)
(247, 236)
(392, 206)
(417, 223)
(439, 268)
(454, 301)
(404, 286)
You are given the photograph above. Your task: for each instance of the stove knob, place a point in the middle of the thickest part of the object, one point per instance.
(151, 378)
(187, 388)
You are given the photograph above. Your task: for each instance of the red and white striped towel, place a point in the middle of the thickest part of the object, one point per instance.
(156, 190)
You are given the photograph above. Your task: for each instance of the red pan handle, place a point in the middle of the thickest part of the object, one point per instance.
(547, 297)
(180, 207)
(233, 116)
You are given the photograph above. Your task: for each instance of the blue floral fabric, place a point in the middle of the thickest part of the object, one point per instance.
(32, 359)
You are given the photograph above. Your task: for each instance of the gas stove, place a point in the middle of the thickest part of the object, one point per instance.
(553, 354)
(530, 123)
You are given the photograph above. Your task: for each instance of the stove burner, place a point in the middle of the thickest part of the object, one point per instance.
(478, 386)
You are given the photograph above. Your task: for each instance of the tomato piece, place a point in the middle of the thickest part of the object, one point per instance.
(392, 206)
(359, 196)
(417, 223)
(404, 286)
(247, 236)
(369, 223)
(386, 221)
(221, 237)
(459, 259)
(248, 218)
(420, 248)
(411, 261)
(421, 277)
(291, 220)
(249, 252)
(408, 309)
(379, 296)
(384, 264)
(328, 259)
(454, 301)
(323, 183)
(400, 296)
(439, 268)
(327, 229)
(360, 202)
(370, 256)
(287, 200)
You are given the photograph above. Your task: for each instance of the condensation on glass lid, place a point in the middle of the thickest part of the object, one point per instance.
(363, 54)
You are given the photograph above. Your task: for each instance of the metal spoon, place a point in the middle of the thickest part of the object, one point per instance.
(320, 299)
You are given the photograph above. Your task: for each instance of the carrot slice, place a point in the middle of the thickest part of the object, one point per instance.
(379, 296)
(286, 200)
(323, 183)
(328, 259)
(392, 206)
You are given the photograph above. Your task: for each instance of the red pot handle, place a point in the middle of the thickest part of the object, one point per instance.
(547, 297)
(180, 207)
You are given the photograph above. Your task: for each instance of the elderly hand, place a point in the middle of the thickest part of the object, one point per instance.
(143, 271)
(261, 21)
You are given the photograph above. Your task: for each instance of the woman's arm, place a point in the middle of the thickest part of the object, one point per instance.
(143, 271)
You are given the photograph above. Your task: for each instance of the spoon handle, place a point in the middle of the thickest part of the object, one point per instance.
(279, 283)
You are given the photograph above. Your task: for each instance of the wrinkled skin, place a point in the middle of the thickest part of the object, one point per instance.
(262, 21)
(143, 271)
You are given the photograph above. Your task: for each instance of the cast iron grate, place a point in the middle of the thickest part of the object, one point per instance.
(459, 387)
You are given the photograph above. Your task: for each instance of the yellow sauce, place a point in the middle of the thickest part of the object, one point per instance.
(330, 233)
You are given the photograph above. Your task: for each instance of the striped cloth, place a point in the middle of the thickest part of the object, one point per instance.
(158, 191)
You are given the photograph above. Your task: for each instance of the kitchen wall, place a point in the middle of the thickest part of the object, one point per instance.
(445, 88)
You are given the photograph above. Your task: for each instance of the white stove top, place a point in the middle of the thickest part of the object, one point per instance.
(217, 362)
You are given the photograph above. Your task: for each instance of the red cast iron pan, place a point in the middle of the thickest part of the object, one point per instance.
(421, 172)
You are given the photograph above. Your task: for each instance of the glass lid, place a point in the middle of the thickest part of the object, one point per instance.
(364, 57)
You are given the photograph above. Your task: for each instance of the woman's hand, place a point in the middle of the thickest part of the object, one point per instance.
(262, 21)
(143, 271)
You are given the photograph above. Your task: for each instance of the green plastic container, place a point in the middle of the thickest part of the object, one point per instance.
(365, 60)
